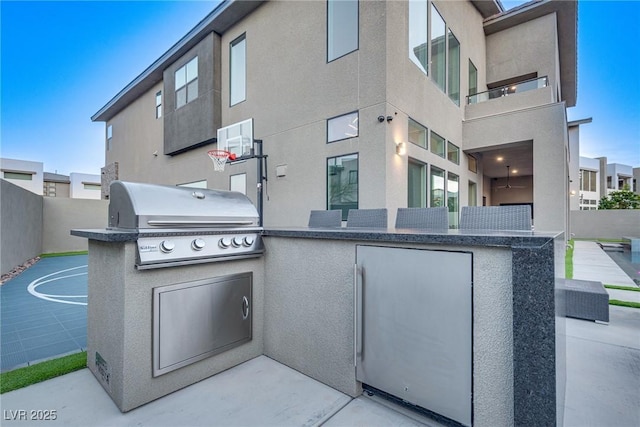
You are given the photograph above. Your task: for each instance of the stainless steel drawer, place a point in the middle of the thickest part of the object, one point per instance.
(196, 320)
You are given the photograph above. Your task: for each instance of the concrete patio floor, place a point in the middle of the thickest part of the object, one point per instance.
(603, 362)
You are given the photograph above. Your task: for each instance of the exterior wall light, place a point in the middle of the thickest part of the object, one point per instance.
(401, 148)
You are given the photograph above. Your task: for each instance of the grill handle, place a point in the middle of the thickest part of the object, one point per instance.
(211, 223)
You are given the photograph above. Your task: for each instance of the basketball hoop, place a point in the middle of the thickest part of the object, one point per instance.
(219, 158)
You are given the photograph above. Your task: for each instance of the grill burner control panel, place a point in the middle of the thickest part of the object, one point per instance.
(166, 251)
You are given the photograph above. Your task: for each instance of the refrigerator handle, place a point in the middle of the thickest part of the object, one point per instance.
(358, 284)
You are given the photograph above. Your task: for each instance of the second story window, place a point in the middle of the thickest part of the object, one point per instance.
(418, 41)
(238, 71)
(473, 79)
(109, 136)
(158, 104)
(453, 87)
(187, 83)
(438, 48)
(342, 127)
(342, 28)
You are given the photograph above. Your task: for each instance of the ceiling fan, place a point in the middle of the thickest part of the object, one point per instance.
(509, 186)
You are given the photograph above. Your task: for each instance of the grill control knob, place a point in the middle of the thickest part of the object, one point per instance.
(167, 246)
(224, 243)
(236, 242)
(198, 244)
(248, 241)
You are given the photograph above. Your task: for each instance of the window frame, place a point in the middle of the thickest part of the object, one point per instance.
(238, 40)
(418, 125)
(414, 15)
(450, 35)
(328, 32)
(475, 78)
(434, 75)
(348, 179)
(432, 187)
(158, 104)
(424, 191)
(187, 83)
(456, 151)
(433, 146)
(109, 132)
(357, 113)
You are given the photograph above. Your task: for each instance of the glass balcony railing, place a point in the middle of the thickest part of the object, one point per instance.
(507, 90)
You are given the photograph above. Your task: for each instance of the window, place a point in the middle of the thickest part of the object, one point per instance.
(158, 104)
(453, 153)
(417, 134)
(454, 68)
(342, 183)
(473, 79)
(238, 72)
(187, 83)
(437, 188)
(342, 127)
(342, 28)
(18, 175)
(418, 42)
(438, 48)
(109, 136)
(473, 194)
(437, 144)
(453, 199)
(588, 180)
(417, 180)
(473, 164)
(89, 186)
(238, 183)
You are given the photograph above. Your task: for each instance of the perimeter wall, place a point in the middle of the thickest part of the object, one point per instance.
(605, 224)
(32, 224)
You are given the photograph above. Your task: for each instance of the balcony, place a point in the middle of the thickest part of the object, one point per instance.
(507, 90)
(510, 98)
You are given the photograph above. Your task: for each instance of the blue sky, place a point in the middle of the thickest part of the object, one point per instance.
(61, 61)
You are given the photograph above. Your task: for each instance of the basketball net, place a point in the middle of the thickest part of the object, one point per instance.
(219, 158)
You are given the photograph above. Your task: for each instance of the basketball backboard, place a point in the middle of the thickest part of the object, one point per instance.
(237, 138)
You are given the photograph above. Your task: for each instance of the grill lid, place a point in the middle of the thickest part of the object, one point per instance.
(149, 206)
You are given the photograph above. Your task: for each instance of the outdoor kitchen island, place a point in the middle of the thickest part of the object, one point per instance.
(306, 314)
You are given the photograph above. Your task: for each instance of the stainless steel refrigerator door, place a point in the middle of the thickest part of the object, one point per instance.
(413, 323)
(195, 320)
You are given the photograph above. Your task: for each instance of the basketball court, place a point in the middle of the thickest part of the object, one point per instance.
(44, 312)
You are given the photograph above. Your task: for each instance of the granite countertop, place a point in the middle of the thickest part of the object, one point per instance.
(449, 237)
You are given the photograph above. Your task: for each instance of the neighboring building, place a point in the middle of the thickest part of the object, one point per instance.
(591, 188)
(362, 105)
(599, 178)
(576, 164)
(23, 173)
(84, 186)
(30, 176)
(56, 185)
(618, 177)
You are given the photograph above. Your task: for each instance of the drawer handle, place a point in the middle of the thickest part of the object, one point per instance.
(245, 308)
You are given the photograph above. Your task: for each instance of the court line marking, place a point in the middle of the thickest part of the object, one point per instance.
(56, 298)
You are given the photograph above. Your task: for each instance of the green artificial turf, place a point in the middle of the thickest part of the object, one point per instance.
(22, 377)
(568, 260)
(623, 288)
(624, 303)
(63, 254)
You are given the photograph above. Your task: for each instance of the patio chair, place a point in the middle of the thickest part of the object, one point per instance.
(517, 217)
(423, 218)
(331, 218)
(370, 218)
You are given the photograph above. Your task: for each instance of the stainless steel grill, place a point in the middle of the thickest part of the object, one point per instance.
(179, 225)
